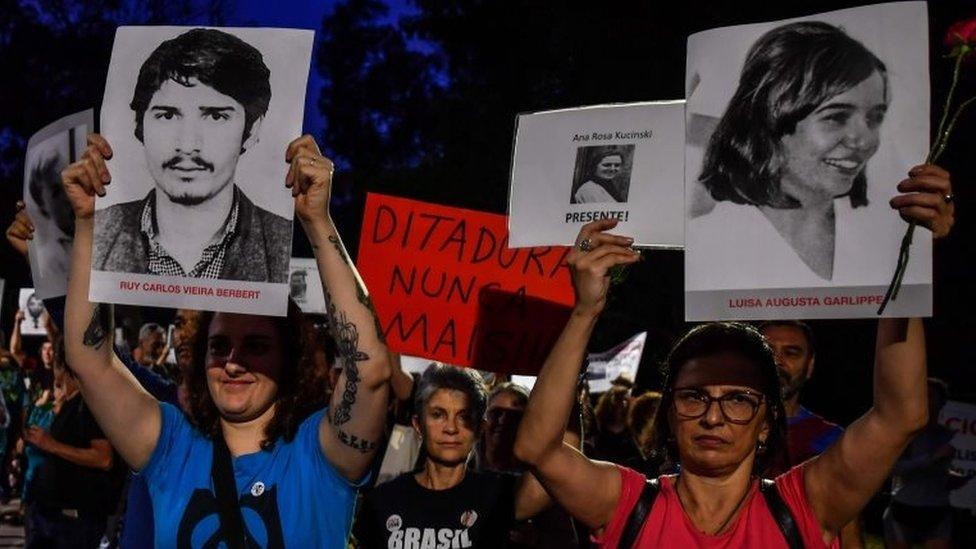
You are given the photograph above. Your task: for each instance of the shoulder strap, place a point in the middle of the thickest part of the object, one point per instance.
(225, 491)
(781, 513)
(638, 515)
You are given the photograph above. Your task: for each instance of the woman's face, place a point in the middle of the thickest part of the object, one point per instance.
(244, 356)
(447, 427)
(609, 166)
(711, 444)
(832, 145)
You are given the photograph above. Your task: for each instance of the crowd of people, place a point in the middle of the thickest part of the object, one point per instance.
(305, 431)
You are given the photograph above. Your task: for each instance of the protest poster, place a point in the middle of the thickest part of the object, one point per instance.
(305, 285)
(447, 286)
(197, 214)
(33, 307)
(622, 360)
(797, 134)
(960, 417)
(49, 151)
(573, 166)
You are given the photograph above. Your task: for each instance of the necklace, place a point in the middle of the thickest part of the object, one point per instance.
(727, 518)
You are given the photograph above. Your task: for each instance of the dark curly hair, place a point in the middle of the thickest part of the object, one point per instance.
(788, 72)
(714, 338)
(215, 58)
(301, 391)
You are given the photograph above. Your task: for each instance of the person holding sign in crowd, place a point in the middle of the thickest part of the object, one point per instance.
(255, 463)
(722, 421)
(797, 136)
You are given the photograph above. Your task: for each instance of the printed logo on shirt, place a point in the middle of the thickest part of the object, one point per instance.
(393, 523)
(468, 518)
(257, 488)
(200, 524)
(429, 538)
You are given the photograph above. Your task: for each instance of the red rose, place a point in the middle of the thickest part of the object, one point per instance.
(962, 33)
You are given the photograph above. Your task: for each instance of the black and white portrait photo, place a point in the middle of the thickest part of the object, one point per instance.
(49, 151)
(304, 287)
(199, 119)
(602, 174)
(33, 307)
(794, 149)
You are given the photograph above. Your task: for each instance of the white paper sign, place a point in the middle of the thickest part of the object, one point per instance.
(574, 166)
(33, 307)
(197, 214)
(961, 418)
(49, 151)
(622, 360)
(791, 157)
(305, 285)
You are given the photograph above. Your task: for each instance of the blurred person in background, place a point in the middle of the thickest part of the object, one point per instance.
(640, 425)
(919, 512)
(612, 439)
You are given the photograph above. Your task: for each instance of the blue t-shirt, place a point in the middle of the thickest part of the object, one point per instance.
(289, 495)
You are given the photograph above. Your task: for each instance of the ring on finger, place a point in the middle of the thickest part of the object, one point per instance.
(948, 198)
(585, 245)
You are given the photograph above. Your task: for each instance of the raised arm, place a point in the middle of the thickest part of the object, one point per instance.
(127, 414)
(17, 339)
(587, 489)
(840, 482)
(351, 431)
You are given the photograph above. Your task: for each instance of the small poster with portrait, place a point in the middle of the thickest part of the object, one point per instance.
(305, 285)
(797, 134)
(197, 214)
(49, 151)
(33, 307)
(574, 166)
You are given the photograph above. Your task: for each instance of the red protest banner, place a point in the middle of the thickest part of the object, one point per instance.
(447, 287)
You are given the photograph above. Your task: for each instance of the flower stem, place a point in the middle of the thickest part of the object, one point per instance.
(952, 124)
(945, 110)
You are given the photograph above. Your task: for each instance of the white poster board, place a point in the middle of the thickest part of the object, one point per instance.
(622, 360)
(573, 166)
(33, 307)
(791, 157)
(199, 120)
(961, 418)
(49, 151)
(305, 285)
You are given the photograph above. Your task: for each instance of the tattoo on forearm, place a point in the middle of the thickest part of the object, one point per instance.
(339, 248)
(359, 444)
(347, 352)
(99, 327)
(368, 303)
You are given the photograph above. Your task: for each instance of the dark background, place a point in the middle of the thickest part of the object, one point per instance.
(418, 99)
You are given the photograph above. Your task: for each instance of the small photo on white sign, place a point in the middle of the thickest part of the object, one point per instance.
(305, 286)
(197, 214)
(33, 307)
(49, 151)
(574, 166)
(797, 134)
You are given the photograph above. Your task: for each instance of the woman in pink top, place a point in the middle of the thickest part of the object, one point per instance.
(721, 420)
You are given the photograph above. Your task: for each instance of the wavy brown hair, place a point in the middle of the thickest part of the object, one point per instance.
(300, 390)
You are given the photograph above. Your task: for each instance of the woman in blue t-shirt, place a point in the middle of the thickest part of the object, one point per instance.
(251, 387)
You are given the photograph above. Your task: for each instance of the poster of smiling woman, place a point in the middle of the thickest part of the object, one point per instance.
(197, 214)
(797, 134)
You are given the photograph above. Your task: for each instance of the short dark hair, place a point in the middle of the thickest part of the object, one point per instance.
(215, 58)
(512, 388)
(465, 380)
(788, 72)
(746, 342)
(799, 325)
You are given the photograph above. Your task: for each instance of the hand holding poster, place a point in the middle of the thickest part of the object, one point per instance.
(622, 360)
(197, 214)
(797, 133)
(33, 307)
(447, 287)
(49, 151)
(573, 166)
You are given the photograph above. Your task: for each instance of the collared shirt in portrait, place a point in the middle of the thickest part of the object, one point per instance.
(211, 261)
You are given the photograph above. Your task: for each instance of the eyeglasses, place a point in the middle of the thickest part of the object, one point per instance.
(738, 407)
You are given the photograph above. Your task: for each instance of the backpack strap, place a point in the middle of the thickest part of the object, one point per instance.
(225, 492)
(638, 515)
(781, 514)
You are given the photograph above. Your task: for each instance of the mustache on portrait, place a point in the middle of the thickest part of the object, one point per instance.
(179, 159)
